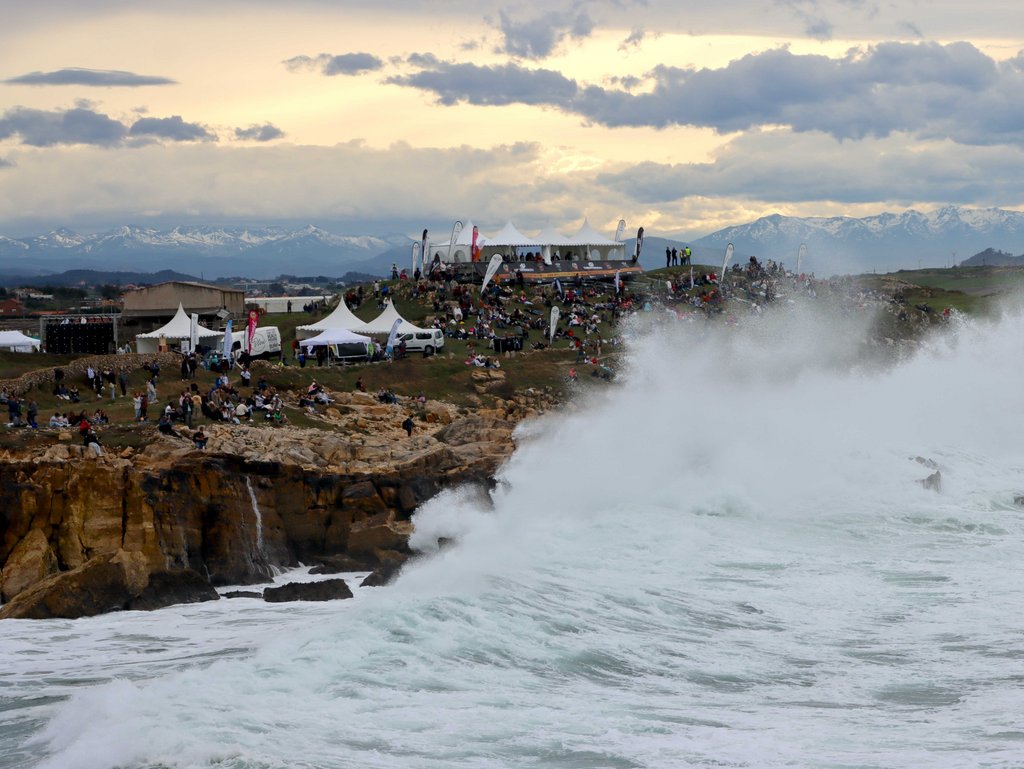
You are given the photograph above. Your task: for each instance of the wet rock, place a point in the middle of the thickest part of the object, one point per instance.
(102, 584)
(933, 482)
(380, 532)
(31, 560)
(338, 564)
(327, 590)
(241, 594)
(391, 563)
(168, 588)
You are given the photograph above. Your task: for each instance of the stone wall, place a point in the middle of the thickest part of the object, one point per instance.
(74, 372)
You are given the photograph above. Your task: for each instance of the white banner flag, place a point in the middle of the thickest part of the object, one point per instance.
(492, 268)
(555, 314)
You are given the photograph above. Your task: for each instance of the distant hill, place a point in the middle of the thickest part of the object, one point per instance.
(94, 278)
(884, 242)
(992, 257)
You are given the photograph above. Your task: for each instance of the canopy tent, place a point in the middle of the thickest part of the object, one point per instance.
(178, 329)
(335, 336)
(382, 323)
(341, 318)
(552, 239)
(509, 236)
(594, 242)
(18, 342)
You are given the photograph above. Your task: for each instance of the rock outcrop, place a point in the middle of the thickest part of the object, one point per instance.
(325, 590)
(259, 497)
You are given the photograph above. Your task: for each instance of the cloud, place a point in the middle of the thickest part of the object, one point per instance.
(498, 85)
(89, 77)
(933, 90)
(785, 167)
(538, 37)
(330, 65)
(42, 128)
(171, 128)
(260, 133)
(4, 163)
(636, 37)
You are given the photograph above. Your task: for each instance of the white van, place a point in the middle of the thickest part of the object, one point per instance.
(266, 342)
(429, 340)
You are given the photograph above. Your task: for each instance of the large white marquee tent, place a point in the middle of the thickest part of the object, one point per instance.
(178, 329)
(586, 243)
(18, 342)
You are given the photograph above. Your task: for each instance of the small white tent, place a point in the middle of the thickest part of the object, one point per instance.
(592, 239)
(382, 323)
(342, 317)
(335, 336)
(18, 342)
(179, 329)
(552, 241)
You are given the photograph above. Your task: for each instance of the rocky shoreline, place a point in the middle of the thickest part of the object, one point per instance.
(82, 535)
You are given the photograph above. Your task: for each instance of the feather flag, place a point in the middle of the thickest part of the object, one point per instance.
(558, 289)
(492, 268)
(639, 243)
(423, 253)
(618, 283)
(456, 231)
(228, 339)
(254, 319)
(390, 346)
(193, 333)
(728, 255)
(474, 248)
(553, 324)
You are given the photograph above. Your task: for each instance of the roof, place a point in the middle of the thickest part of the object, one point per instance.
(382, 323)
(193, 283)
(335, 336)
(588, 236)
(179, 327)
(510, 236)
(549, 236)
(342, 317)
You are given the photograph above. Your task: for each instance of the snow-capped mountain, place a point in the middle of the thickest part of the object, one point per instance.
(884, 242)
(207, 250)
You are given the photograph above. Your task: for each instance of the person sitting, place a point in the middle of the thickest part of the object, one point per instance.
(165, 426)
(92, 442)
(199, 438)
(55, 420)
(73, 394)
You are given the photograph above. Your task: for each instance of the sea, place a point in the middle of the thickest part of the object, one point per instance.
(726, 557)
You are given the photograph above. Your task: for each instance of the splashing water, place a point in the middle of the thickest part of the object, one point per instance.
(725, 560)
(258, 516)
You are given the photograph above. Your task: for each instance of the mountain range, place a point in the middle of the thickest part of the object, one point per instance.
(834, 245)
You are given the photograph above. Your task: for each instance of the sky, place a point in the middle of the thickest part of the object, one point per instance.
(389, 116)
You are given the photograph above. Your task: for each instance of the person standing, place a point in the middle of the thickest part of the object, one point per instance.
(668, 256)
(407, 425)
(122, 380)
(32, 413)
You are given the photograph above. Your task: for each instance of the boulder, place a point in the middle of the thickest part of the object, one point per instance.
(167, 588)
(242, 594)
(104, 583)
(339, 564)
(31, 561)
(933, 482)
(327, 590)
(391, 563)
(379, 532)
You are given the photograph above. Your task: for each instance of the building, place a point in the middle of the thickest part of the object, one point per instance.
(160, 301)
(11, 308)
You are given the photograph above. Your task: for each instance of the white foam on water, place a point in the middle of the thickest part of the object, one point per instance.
(725, 559)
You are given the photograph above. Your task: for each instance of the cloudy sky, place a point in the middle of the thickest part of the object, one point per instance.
(393, 115)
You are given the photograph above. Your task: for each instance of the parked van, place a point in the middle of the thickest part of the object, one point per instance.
(429, 340)
(266, 342)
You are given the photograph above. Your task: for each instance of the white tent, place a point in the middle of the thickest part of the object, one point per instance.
(592, 239)
(335, 336)
(342, 317)
(461, 249)
(552, 241)
(177, 330)
(382, 323)
(510, 236)
(18, 342)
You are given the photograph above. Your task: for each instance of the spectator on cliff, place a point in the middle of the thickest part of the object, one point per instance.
(165, 426)
(92, 442)
(199, 438)
(56, 420)
(359, 385)
(407, 425)
(151, 390)
(13, 411)
(73, 394)
(122, 381)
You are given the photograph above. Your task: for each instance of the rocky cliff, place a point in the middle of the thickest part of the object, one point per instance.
(257, 498)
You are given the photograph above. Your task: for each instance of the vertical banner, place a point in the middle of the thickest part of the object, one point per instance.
(474, 250)
(558, 290)
(639, 243)
(620, 229)
(456, 231)
(618, 283)
(254, 319)
(725, 263)
(691, 277)
(228, 339)
(553, 323)
(389, 348)
(415, 248)
(423, 254)
(193, 332)
(800, 258)
(492, 267)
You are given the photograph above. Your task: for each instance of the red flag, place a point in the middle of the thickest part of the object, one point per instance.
(475, 249)
(254, 318)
